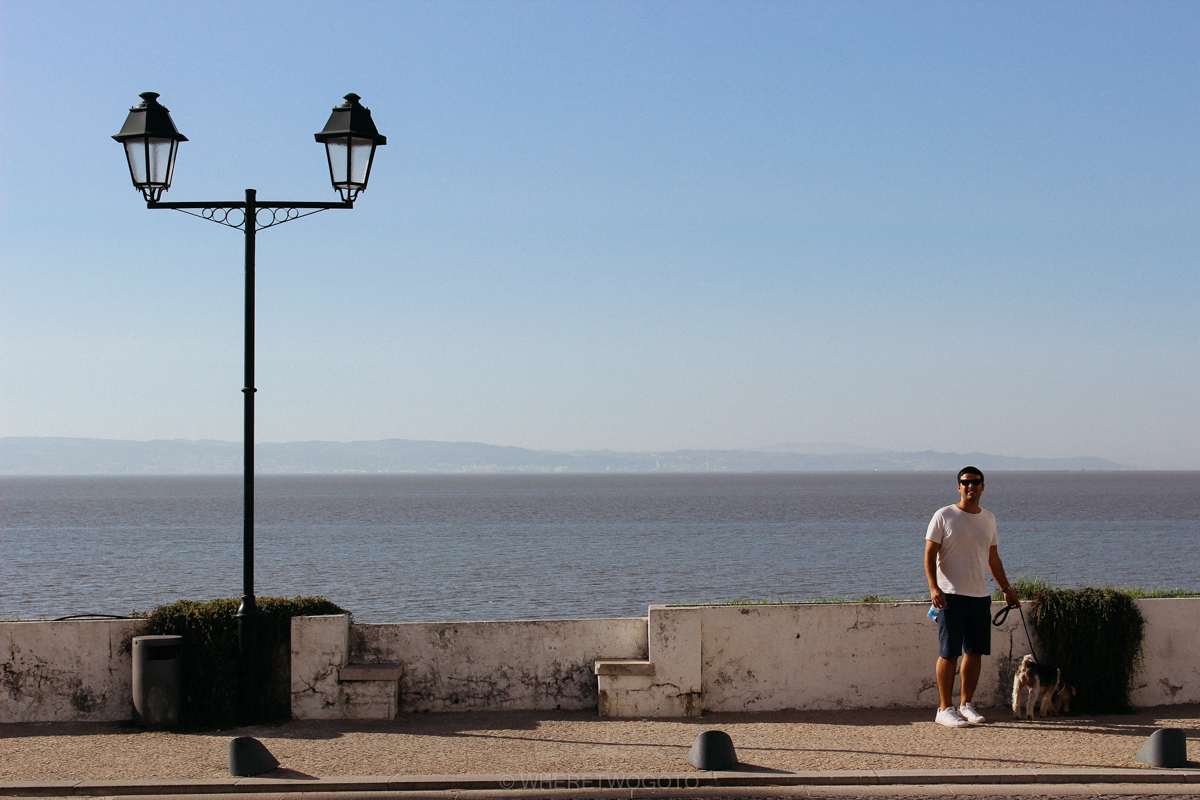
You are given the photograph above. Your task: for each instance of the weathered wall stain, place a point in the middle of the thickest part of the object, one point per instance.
(85, 701)
(70, 670)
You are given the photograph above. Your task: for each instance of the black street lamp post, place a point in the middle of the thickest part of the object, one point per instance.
(151, 143)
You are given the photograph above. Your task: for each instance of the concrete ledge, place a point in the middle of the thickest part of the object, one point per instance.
(967, 777)
(833, 777)
(418, 783)
(624, 666)
(352, 783)
(136, 787)
(369, 672)
(593, 781)
(38, 788)
(1113, 776)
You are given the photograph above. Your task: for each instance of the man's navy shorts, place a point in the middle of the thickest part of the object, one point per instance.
(965, 626)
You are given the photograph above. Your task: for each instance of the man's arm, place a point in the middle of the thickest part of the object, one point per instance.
(935, 592)
(997, 568)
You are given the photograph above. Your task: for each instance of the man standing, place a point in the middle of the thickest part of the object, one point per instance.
(960, 542)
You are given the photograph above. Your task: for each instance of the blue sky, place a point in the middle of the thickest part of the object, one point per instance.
(636, 226)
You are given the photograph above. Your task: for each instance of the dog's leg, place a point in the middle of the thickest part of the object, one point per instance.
(1034, 686)
(1056, 697)
(1016, 698)
(1047, 694)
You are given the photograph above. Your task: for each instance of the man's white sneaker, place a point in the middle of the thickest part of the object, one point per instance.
(950, 718)
(968, 712)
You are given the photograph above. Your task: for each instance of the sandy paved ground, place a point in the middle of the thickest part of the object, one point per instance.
(517, 743)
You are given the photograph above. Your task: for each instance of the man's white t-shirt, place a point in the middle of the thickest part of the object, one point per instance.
(966, 540)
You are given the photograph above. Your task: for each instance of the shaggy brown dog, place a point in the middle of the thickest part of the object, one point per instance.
(1061, 704)
(1043, 682)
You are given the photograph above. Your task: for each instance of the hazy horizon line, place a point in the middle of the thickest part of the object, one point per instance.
(812, 449)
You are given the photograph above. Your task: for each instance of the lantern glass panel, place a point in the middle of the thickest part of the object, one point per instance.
(160, 161)
(338, 160)
(135, 151)
(360, 160)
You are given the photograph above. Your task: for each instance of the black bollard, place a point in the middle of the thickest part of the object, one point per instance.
(1166, 747)
(713, 750)
(248, 757)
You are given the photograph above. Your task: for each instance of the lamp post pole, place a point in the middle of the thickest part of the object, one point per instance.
(247, 615)
(151, 143)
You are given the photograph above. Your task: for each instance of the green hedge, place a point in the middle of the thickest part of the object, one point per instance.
(1095, 637)
(210, 655)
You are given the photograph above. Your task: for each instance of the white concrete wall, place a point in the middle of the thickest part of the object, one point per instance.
(829, 656)
(319, 648)
(856, 655)
(1171, 665)
(533, 664)
(721, 658)
(69, 671)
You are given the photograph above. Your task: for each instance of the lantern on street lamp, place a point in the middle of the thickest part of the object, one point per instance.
(151, 144)
(350, 139)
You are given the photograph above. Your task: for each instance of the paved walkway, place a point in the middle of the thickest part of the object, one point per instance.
(539, 752)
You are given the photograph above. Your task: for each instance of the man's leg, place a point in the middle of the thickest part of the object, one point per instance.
(945, 680)
(971, 664)
(977, 642)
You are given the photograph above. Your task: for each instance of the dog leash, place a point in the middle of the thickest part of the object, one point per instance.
(1002, 615)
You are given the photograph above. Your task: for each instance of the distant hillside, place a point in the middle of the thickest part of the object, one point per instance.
(63, 456)
(819, 449)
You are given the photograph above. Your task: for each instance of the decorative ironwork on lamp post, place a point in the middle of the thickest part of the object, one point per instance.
(151, 143)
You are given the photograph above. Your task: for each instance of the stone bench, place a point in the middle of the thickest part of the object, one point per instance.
(618, 679)
(372, 691)
(326, 686)
(667, 684)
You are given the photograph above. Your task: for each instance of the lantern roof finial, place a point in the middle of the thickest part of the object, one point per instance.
(149, 118)
(353, 119)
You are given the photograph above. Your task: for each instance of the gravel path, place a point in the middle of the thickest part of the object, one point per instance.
(522, 743)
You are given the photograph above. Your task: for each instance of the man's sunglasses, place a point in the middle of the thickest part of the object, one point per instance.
(970, 481)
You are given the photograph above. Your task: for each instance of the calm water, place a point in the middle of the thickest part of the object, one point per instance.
(411, 548)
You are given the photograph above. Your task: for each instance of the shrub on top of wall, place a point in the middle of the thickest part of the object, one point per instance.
(210, 655)
(1095, 637)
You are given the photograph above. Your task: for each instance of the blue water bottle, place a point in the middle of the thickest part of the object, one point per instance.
(932, 613)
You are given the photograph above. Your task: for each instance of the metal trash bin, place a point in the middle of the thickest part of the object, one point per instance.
(157, 680)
